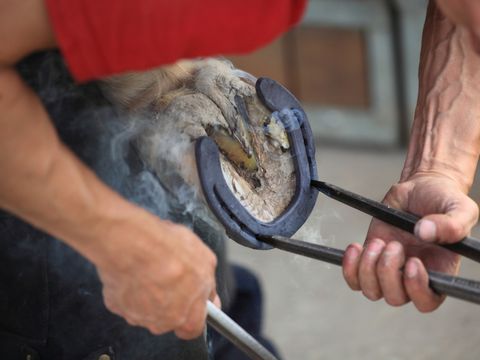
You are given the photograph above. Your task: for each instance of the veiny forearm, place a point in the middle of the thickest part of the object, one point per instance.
(445, 137)
(42, 181)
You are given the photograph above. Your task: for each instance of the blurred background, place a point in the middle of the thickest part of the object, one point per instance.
(353, 64)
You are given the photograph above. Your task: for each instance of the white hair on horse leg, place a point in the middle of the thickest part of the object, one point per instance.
(177, 104)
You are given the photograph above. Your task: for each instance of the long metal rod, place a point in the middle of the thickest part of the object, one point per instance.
(468, 247)
(236, 334)
(460, 288)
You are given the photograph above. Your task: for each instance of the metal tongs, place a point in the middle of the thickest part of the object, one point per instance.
(457, 287)
(245, 229)
(242, 227)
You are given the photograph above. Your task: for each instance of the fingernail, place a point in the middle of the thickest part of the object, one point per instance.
(411, 269)
(374, 247)
(426, 230)
(351, 254)
(393, 248)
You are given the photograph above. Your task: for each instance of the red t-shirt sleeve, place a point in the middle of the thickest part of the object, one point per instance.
(103, 37)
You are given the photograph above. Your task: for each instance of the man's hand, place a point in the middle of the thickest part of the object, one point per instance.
(157, 274)
(392, 264)
(438, 173)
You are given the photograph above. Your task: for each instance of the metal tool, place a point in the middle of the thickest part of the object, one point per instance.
(239, 224)
(247, 230)
(454, 286)
(238, 336)
(468, 247)
(242, 227)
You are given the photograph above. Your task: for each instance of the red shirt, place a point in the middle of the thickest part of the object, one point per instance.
(103, 37)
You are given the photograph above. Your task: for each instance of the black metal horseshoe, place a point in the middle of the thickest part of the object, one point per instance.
(240, 225)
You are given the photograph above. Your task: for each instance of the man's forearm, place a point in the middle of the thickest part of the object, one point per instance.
(42, 181)
(445, 137)
(154, 274)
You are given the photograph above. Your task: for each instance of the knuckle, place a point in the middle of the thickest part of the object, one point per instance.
(178, 317)
(111, 305)
(383, 264)
(181, 320)
(155, 330)
(176, 270)
(390, 260)
(192, 327)
(191, 331)
(132, 321)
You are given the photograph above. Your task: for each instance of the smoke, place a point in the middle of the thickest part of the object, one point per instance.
(128, 152)
(312, 231)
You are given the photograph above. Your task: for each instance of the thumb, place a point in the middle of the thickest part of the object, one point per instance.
(450, 227)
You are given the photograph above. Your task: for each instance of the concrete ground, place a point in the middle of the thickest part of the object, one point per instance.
(310, 312)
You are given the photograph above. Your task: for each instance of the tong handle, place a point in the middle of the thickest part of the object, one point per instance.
(457, 287)
(245, 342)
(468, 247)
(454, 286)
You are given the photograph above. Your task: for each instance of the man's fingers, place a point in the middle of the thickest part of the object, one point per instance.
(351, 261)
(195, 323)
(450, 227)
(390, 275)
(416, 285)
(367, 270)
